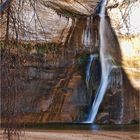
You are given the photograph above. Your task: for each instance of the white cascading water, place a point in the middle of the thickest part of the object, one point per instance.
(87, 35)
(106, 66)
(88, 69)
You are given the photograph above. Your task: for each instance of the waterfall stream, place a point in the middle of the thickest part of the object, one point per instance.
(88, 70)
(87, 33)
(106, 66)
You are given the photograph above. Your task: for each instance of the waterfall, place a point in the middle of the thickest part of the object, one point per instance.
(88, 69)
(106, 66)
(87, 33)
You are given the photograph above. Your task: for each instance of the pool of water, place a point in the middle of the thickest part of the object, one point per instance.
(83, 126)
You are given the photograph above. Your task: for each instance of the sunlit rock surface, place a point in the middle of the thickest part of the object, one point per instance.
(124, 16)
(43, 24)
(51, 20)
(73, 6)
(127, 28)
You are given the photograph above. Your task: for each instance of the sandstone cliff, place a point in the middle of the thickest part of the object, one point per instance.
(54, 58)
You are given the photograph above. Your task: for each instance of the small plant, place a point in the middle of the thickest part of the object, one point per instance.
(1, 45)
(82, 59)
(81, 63)
(27, 46)
(46, 48)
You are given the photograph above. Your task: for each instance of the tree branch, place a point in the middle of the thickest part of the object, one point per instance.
(5, 5)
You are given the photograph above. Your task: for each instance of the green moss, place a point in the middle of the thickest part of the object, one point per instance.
(81, 63)
(1, 45)
(68, 14)
(82, 59)
(27, 46)
(41, 48)
(46, 48)
(114, 62)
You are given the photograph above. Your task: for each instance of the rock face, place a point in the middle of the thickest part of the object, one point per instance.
(47, 20)
(73, 6)
(55, 84)
(55, 89)
(43, 24)
(123, 20)
(120, 104)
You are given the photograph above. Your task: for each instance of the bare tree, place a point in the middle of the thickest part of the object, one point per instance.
(5, 5)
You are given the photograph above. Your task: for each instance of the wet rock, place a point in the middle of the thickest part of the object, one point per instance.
(103, 118)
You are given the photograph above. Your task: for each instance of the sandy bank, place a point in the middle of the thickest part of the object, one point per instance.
(78, 135)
